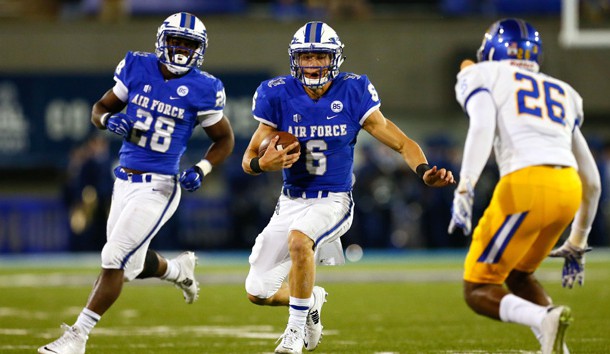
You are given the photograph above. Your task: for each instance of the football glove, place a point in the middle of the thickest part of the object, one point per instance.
(461, 211)
(120, 124)
(573, 265)
(191, 178)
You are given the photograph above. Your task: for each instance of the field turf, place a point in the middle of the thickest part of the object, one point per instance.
(386, 303)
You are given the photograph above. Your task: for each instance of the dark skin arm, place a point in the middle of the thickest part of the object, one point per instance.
(223, 141)
(108, 103)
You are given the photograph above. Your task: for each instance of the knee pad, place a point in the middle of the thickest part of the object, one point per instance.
(151, 265)
(255, 287)
(116, 257)
(113, 256)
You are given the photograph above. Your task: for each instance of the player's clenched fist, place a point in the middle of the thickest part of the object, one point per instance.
(118, 123)
(191, 178)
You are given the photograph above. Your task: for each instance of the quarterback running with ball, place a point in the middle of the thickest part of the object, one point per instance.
(548, 178)
(166, 96)
(325, 109)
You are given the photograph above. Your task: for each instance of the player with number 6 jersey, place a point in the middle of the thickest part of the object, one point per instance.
(156, 102)
(325, 110)
(327, 130)
(548, 178)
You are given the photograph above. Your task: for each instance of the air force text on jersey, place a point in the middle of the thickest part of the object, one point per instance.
(318, 131)
(158, 106)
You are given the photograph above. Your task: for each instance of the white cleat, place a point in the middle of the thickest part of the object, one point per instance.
(186, 280)
(554, 328)
(291, 341)
(313, 326)
(73, 341)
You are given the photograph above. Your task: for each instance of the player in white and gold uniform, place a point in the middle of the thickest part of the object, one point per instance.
(548, 178)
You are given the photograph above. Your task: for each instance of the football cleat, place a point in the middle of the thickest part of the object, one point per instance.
(186, 279)
(313, 326)
(553, 329)
(291, 341)
(73, 341)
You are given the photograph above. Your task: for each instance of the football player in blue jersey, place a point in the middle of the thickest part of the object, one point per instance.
(549, 178)
(325, 109)
(166, 96)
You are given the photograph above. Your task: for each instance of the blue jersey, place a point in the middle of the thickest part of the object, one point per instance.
(166, 111)
(326, 128)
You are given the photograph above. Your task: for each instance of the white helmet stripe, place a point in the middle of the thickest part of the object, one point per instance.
(523, 28)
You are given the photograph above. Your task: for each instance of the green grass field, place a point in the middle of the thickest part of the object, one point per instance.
(386, 304)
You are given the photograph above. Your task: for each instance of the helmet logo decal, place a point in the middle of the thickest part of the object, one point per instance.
(182, 91)
(275, 82)
(336, 106)
(512, 49)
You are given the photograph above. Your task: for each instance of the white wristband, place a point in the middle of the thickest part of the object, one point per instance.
(205, 166)
(104, 118)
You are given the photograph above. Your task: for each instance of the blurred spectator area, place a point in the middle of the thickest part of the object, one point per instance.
(112, 10)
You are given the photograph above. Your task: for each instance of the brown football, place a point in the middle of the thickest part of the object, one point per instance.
(285, 140)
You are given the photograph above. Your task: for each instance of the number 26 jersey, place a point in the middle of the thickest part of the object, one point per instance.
(535, 113)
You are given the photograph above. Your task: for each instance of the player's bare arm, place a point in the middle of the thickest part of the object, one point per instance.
(390, 135)
(109, 103)
(223, 141)
(273, 159)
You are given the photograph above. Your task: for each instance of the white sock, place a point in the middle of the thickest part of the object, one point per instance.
(172, 272)
(298, 310)
(517, 310)
(86, 320)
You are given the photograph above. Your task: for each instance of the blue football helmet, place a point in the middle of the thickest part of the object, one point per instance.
(316, 37)
(182, 25)
(511, 38)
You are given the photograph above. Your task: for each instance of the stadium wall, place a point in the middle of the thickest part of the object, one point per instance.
(411, 62)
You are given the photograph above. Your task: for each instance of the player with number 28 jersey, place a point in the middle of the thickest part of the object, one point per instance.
(327, 128)
(167, 111)
(156, 102)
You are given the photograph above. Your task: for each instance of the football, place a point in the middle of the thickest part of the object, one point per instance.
(285, 140)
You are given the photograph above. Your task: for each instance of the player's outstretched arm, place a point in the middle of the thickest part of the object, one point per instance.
(574, 248)
(389, 134)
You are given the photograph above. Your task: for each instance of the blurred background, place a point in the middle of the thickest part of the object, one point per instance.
(58, 58)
